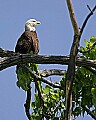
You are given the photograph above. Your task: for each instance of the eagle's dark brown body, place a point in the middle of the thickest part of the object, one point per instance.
(27, 42)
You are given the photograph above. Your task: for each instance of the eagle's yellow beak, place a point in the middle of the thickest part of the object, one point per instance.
(37, 22)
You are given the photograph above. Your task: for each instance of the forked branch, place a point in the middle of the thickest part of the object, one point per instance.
(73, 53)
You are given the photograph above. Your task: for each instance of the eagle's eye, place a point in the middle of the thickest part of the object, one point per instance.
(33, 21)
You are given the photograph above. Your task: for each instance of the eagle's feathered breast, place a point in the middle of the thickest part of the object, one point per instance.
(28, 42)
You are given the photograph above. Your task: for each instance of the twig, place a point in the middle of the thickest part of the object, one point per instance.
(89, 112)
(46, 73)
(87, 18)
(89, 8)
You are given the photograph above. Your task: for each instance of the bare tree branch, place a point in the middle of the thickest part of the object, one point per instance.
(36, 85)
(87, 18)
(71, 67)
(7, 53)
(72, 16)
(27, 58)
(27, 104)
(46, 73)
(39, 59)
(38, 78)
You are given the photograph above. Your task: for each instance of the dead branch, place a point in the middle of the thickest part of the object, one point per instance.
(7, 53)
(39, 59)
(72, 16)
(36, 85)
(38, 78)
(87, 18)
(46, 73)
(27, 104)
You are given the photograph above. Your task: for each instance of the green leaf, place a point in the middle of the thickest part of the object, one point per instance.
(94, 102)
(86, 42)
(33, 105)
(93, 39)
(46, 89)
(93, 91)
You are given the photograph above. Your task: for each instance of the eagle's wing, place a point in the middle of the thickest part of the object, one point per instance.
(27, 42)
(35, 45)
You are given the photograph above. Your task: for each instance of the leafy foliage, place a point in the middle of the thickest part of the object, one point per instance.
(53, 103)
(24, 77)
(84, 90)
(85, 80)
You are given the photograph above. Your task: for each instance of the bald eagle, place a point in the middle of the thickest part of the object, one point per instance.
(27, 43)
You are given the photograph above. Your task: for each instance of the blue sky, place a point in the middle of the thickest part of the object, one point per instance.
(55, 38)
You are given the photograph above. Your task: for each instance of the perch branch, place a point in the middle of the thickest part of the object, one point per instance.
(39, 59)
(25, 58)
(7, 53)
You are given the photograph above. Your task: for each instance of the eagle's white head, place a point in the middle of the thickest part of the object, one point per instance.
(31, 24)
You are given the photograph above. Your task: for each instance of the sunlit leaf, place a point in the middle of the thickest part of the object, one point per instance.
(93, 39)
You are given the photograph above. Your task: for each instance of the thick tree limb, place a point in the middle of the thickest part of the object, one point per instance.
(27, 58)
(71, 67)
(39, 59)
(7, 53)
